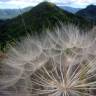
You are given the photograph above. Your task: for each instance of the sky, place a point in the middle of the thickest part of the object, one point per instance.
(25, 3)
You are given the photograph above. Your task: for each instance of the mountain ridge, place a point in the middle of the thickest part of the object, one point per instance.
(39, 18)
(12, 13)
(70, 9)
(89, 13)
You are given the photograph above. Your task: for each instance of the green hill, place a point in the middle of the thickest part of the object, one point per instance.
(89, 13)
(45, 15)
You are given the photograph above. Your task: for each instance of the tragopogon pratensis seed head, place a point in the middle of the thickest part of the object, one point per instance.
(67, 38)
(61, 63)
(22, 60)
(65, 76)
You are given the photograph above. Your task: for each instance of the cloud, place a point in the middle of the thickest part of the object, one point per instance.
(25, 3)
(18, 3)
(4, 0)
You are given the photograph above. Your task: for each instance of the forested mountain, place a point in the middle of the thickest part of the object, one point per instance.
(89, 13)
(44, 15)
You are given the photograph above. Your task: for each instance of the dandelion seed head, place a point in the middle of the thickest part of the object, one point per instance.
(62, 63)
(64, 79)
(22, 60)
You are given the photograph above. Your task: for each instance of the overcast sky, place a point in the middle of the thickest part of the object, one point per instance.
(25, 3)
